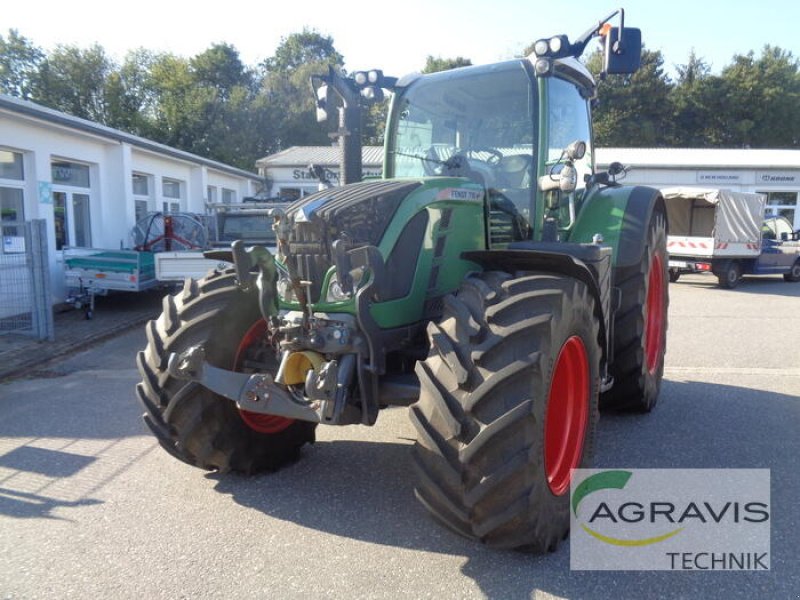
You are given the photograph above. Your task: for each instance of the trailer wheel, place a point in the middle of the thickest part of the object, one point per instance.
(507, 408)
(674, 275)
(731, 275)
(794, 272)
(192, 423)
(640, 325)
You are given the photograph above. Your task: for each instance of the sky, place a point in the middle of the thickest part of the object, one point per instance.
(398, 36)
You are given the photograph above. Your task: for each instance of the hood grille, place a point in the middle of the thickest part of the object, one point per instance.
(359, 212)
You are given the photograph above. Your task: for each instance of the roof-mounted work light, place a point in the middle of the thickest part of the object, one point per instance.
(622, 52)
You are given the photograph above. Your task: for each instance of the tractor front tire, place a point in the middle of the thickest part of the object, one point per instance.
(640, 325)
(192, 423)
(507, 407)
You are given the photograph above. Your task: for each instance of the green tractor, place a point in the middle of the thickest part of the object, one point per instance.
(492, 281)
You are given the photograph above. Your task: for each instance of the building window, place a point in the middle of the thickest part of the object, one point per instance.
(211, 194)
(69, 173)
(141, 184)
(11, 165)
(783, 204)
(171, 188)
(11, 217)
(228, 196)
(12, 202)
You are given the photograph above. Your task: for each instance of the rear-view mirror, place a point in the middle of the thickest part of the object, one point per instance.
(623, 53)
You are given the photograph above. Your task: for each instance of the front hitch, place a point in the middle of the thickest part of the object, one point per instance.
(326, 389)
(254, 392)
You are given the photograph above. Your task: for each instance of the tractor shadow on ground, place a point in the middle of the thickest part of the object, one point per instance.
(363, 490)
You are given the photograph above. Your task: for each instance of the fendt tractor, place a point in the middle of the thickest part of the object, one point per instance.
(491, 280)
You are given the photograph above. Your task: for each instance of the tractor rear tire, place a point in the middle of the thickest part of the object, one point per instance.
(640, 326)
(507, 407)
(192, 423)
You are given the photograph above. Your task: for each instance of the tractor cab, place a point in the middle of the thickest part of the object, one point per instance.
(499, 126)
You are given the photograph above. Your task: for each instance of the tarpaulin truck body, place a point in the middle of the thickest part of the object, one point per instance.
(713, 223)
(724, 232)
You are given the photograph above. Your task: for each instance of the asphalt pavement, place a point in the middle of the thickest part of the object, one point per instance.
(91, 506)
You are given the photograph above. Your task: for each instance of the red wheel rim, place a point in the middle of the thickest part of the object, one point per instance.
(567, 415)
(257, 421)
(654, 319)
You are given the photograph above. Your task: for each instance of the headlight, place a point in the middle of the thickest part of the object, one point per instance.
(337, 293)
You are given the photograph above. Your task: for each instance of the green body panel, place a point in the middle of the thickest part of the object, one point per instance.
(603, 212)
(541, 164)
(439, 267)
(435, 275)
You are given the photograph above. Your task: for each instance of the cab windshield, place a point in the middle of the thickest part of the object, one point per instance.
(475, 122)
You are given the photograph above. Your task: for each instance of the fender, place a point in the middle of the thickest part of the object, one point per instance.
(588, 263)
(621, 215)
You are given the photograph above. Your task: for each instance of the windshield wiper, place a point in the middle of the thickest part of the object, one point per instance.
(453, 162)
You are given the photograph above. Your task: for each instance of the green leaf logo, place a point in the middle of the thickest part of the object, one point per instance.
(616, 480)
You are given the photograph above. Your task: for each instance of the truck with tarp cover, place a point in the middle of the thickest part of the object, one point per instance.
(724, 232)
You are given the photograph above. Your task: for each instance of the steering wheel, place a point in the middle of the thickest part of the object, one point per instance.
(495, 156)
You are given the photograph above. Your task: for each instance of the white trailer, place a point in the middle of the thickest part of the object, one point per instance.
(250, 222)
(175, 267)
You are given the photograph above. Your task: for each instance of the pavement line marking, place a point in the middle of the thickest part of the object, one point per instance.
(734, 371)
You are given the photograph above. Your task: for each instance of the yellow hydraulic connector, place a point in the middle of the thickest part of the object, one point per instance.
(298, 364)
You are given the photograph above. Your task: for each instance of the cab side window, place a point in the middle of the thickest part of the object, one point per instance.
(568, 121)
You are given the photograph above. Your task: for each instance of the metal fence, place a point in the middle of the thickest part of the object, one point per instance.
(25, 304)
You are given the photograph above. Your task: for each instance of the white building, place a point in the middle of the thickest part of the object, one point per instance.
(775, 173)
(91, 183)
(289, 173)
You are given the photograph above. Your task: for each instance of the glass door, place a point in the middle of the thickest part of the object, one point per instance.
(81, 220)
(72, 219)
(60, 219)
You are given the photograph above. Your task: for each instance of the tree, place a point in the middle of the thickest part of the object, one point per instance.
(762, 100)
(288, 90)
(303, 48)
(633, 110)
(73, 80)
(19, 65)
(131, 99)
(436, 64)
(696, 105)
(221, 68)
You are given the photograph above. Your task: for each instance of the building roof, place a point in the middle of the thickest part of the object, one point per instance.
(41, 113)
(712, 158)
(302, 156)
